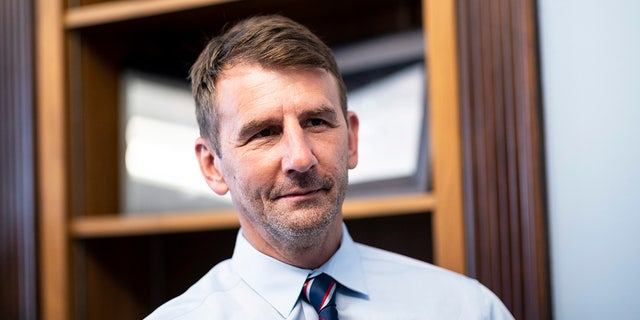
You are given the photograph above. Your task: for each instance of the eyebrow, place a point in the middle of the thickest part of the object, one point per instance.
(322, 111)
(251, 127)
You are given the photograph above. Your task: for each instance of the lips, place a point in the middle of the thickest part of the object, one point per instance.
(303, 186)
(298, 193)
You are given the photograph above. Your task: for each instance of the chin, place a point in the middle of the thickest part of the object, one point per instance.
(305, 233)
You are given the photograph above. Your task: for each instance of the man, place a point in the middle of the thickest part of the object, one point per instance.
(276, 134)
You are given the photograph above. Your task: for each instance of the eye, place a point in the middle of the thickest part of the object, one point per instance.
(316, 122)
(264, 133)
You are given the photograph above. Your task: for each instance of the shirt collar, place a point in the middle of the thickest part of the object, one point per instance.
(345, 266)
(283, 283)
(282, 287)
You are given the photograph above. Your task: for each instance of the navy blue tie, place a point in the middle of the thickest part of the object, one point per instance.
(319, 292)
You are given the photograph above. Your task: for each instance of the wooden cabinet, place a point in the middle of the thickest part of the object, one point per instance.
(97, 262)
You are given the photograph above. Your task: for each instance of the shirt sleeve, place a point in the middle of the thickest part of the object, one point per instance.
(495, 309)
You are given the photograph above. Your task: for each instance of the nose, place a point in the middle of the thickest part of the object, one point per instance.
(297, 155)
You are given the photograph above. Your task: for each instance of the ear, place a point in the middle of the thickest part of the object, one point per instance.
(209, 166)
(353, 124)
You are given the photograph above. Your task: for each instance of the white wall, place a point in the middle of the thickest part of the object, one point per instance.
(590, 58)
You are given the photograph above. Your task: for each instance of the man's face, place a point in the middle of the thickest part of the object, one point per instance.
(285, 148)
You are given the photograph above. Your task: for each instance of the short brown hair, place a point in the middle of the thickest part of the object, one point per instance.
(271, 41)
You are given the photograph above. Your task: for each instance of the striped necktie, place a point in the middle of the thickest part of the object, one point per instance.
(318, 291)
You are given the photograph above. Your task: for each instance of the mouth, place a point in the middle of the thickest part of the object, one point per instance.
(300, 194)
(302, 188)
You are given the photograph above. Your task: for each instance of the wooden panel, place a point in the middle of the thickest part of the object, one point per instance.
(442, 71)
(95, 95)
(18, 273)
(117, 281)
(52, 170)
(503, 171)
(407, 234)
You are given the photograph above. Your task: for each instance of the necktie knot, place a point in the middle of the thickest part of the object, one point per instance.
(319, 292)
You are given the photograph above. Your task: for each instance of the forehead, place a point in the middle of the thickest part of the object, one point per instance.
(250, 90)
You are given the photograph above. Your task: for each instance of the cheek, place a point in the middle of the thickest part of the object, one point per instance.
(250, 172)
(336, 151)
(333, 160)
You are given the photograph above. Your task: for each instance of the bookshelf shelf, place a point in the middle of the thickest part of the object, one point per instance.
(122, 10)
(117, 225)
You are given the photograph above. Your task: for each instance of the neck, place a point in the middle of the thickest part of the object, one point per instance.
(312, 256)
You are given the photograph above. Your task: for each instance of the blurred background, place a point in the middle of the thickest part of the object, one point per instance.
(499, 140)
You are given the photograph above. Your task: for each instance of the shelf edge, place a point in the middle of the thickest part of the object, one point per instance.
(148, 224)
(114, 11)
(163, 223)
(388, 205)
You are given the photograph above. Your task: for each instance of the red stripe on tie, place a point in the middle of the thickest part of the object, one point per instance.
(305, 288)
(326, 294)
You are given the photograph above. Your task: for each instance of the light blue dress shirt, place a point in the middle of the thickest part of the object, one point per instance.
(374, 284)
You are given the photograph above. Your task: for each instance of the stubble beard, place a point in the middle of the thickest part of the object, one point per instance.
(303, 226)
(311, 223)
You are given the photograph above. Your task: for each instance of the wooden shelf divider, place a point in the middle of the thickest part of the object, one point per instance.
(122, 10)
(84, 227)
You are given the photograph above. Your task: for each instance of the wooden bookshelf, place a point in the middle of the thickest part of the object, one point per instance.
(89, 250)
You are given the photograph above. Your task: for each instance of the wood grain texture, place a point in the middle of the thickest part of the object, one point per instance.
(52, 169)
(18, 255)
(502, 152)
(442, 66)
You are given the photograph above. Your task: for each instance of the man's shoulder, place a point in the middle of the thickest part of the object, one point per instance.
(218, 281)
(380, 258)
(392, 267)
(427, 287)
